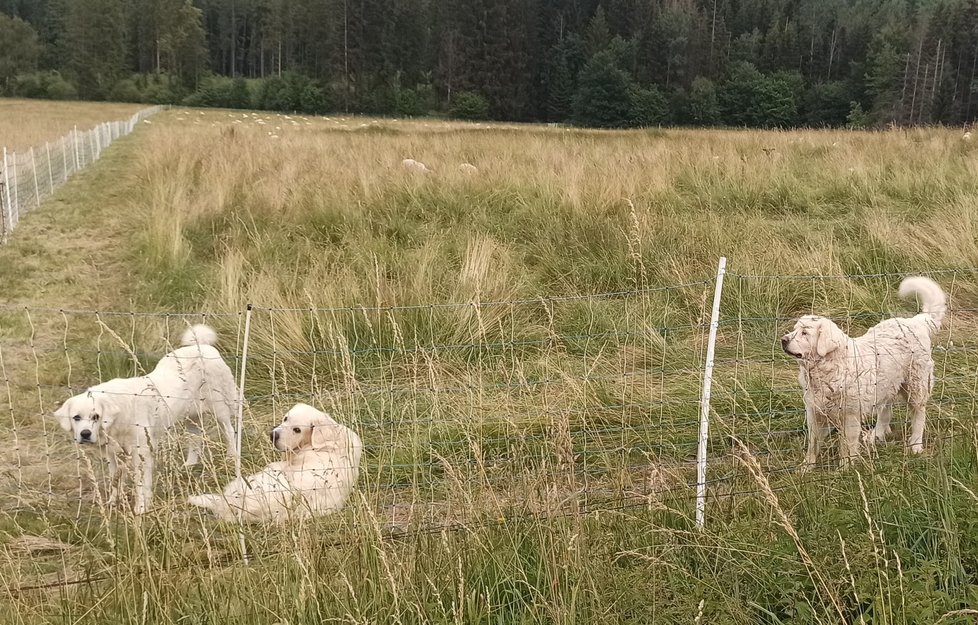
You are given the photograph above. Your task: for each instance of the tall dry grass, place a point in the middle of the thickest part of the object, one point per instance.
(31, 123)
(528, 439)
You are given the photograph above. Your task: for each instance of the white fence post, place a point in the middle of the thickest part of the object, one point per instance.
(37, 190)
(240, 422)
(15, 205)
(74, 146)
(705, 399)
(64, 158)
(5, 201)
(47, 148)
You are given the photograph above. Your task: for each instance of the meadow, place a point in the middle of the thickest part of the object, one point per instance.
(31, 123)
(522, 352)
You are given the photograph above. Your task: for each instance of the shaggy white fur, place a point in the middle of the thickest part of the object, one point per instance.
(322, 462)
(846, 380)
(130, 416)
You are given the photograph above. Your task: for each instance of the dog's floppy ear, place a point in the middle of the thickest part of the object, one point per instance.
(830, 338)
(64, 419)
(107, 408)
(326, 433)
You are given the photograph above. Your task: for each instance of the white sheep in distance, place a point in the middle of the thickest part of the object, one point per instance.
(413, 165)
(468, 168)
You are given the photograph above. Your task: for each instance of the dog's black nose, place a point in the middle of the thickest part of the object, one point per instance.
(86, 435)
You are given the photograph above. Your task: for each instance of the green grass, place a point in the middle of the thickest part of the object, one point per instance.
(529, 443)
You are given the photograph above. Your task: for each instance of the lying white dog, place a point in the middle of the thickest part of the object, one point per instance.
(846, 380)
(130, 416)
(322, 462)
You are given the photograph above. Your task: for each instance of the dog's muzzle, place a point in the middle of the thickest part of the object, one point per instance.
(784, 347)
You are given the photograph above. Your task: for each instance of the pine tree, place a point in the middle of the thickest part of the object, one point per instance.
(704, 109)
(560, 86)
(603, 98)
(19, 49)
(96, 44)
(598, 32)
(883, 82)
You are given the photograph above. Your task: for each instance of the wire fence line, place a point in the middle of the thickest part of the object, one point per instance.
(471, 412)
(29, 176)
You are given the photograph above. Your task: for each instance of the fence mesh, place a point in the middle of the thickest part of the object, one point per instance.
(29, 176)
(475, 412)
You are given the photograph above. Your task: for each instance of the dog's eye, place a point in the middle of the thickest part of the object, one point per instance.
(77, 417)
(296, 430)
(285, 419)
(804, 332)
(94, 417)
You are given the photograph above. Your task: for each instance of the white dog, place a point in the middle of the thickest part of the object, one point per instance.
(130, 416)
(846, 380)
(322, 461)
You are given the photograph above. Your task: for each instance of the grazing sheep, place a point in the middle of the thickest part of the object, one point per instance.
(468, 168)
(413, 165)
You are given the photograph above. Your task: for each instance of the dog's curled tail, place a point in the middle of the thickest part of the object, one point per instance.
(200, 334)
(932, 299)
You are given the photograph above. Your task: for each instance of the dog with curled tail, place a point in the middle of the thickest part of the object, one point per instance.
(846, 380)
(129, 417)
(320, 469)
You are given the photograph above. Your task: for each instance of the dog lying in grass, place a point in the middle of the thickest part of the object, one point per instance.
(846, 380)
(129, 417)
(320, 469)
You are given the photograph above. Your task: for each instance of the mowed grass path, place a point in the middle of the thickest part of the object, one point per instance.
(528, 437)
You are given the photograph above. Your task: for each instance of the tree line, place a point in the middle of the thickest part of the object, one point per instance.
(604, 63)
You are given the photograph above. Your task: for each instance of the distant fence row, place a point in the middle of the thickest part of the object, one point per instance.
(31, 175)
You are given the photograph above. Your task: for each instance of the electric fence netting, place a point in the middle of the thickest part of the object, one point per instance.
(470, 413)
(29, 176)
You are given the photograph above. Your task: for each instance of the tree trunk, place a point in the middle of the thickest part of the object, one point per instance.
(916, 76)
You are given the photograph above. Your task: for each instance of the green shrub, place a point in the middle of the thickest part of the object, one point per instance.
(222, 92)
(857, 118)
(604, 94)
(125, 91)
(650, 107)
(412, 102)
(292, 93)
(704, 109)
(48, 85)
(749, 98)
(469, 105)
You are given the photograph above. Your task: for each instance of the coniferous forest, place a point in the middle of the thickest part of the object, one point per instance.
(607, 63)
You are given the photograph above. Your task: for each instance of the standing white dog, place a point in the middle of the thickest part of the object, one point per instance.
(848, 379)
(322, 462)
(130, 416)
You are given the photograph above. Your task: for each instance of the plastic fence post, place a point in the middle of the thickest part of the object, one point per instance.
(15, 205)
(37, 190)
(240, 423)
(705, 399)
(47, 148)
(64, 159)
(5, 201)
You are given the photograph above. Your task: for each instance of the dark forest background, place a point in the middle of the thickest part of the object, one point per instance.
(768, 63)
